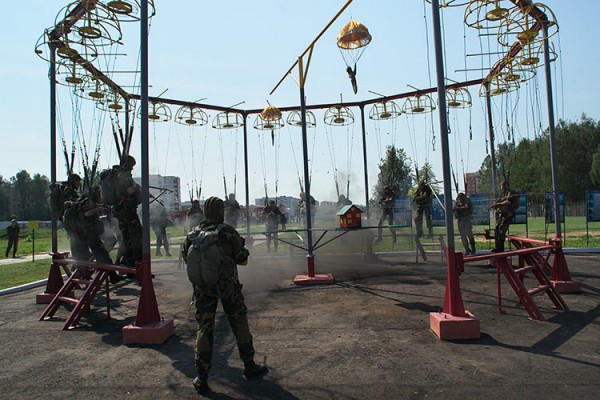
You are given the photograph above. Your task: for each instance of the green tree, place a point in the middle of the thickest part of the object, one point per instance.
(527, 165)
(595, 171)
(4, 200)
(32, 196)
(394, 170)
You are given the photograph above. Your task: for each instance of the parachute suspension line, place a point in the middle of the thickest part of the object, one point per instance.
(263, 165)
(199, 185)
(193, 155)
(377, 128)
(413, 139)
(295, 159)
(222, 161)
(330, 147)
(61, 133)
(427, 42)
(185, 174)
(562, 80)
(277, 143)
(312, 159)
(235, 166)
(349, 152)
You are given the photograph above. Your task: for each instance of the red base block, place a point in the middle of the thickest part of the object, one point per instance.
(155, 333)
(567, 286)
(318, 279)
(449, 327)
(44, 298)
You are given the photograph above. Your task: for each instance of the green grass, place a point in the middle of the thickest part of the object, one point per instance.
(24, 272)
(574, 235)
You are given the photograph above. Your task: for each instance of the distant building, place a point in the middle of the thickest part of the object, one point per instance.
(167, 189)
(471, 182)
(290, 203)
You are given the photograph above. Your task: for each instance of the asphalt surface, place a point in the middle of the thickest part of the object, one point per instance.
(365, 336)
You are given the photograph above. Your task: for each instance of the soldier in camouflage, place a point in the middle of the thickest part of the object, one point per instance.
(504, 215)
(126, 213)
(272, 216)
(232, 210)
(424, 206)
(230, 293)
(386, 202)
(463, 208)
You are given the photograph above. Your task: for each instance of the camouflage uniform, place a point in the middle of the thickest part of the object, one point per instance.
(232, 211)
(463, 208)
(206, 301)
(13, 231)
(195, 215)
(93, 227)
(386, 202)
(272, 217)
(126, 213)
(504, 216)
(159, 220)
(424, 206)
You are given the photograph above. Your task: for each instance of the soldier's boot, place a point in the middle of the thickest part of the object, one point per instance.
(253, 370)
(114, 277)
(430, 234)
(158, 253)
(201, 383)
(473, 247)
(167, 253)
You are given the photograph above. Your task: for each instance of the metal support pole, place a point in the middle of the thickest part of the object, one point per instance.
(309, 244)
(553, 159)
(488, 106)
(144, 132)
(53, 141)
(246, 176)
(441, 89)
(364, 144)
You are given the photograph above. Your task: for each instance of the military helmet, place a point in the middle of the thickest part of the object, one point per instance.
(74, 178)
(128, 161)
(214, 209)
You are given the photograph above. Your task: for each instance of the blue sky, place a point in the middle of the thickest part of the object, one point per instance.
(236, 51)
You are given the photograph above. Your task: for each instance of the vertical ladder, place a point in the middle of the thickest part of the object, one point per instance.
(81, 305)
(515, 278)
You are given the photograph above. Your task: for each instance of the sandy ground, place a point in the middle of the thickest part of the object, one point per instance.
(366, 336)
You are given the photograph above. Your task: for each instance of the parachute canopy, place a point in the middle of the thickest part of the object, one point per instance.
(352, 41)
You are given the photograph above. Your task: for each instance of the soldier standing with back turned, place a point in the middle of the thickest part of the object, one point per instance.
(463, 208)
(229, 291)
(504, 215)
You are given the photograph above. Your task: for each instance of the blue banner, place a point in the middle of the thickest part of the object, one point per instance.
(481, 209)
(549, 208)
(593, 206)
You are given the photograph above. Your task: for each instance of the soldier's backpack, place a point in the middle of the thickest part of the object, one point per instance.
(57, 198)
(71, 220)
(108, 185)
(515, 202)
(207, 262)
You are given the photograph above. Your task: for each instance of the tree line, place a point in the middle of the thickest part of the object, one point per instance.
(24, 197)
(525, 164)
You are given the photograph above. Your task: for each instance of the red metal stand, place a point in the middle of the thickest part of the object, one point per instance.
(311, 278)
(454, 322)
(560, 275)
(55, 281)
(149, 327)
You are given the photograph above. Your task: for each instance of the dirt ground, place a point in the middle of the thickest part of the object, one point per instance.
(365, 336)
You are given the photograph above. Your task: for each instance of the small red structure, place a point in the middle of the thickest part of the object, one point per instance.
(350, 216)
